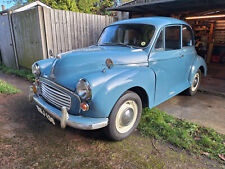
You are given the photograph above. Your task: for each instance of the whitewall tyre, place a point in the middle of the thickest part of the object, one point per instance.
(195, 84)
(124, 116)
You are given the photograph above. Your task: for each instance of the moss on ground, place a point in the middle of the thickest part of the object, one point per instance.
(7, 88)
(26, 74)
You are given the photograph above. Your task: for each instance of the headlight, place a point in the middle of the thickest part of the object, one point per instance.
(36, 69)
(83, 89)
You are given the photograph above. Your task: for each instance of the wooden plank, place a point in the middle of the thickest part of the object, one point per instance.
(95, 27)
(75, 30)
(82, 29)
(68, 30)
(89, 30)
(58, 36)
(41, 23)
(48, 29)
(72, 30)
(61, 31)
(85, 38)
(98, 27)
(92, 29)
(54, 35)
(6, 45)
(64, 32)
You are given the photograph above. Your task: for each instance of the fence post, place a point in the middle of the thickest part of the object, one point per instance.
(43, 32)
(13, 38)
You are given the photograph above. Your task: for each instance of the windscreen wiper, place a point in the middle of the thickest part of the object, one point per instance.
(116, 44)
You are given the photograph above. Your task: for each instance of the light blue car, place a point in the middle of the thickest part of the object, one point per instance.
(136, 63)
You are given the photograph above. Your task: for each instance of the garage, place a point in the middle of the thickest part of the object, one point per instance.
(207, 18)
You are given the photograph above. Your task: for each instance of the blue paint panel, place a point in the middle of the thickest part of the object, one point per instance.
(109, 86)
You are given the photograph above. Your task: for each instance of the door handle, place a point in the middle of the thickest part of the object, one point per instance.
(181, 56)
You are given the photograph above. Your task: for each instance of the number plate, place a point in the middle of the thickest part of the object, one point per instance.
(42, 111)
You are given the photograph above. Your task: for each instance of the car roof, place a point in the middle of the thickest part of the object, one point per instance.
(156, 21)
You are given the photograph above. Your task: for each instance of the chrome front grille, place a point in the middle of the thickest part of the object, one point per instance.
(55, 96)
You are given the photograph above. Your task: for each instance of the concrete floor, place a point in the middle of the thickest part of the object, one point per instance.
(215, 80)
(216, 70)
(204, 109)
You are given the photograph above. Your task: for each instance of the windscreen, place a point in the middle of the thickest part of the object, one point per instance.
(135, 35)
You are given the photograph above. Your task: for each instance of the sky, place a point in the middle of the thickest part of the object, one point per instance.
(7, 3)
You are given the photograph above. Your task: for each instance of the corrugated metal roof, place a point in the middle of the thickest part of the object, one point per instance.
(169, 6)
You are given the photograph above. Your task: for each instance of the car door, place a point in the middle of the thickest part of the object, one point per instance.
(188, 49)
(166, 60)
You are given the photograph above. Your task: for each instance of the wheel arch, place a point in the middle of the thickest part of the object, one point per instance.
(202, 69)
(199, 63)
(142, 94)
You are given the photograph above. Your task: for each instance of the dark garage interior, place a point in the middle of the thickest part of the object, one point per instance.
(207, 18)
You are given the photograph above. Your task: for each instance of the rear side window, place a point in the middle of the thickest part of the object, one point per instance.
(172, 38)
(187, 37)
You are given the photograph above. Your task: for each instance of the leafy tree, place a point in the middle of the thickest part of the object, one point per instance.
(86, 6)
(100, 7)
(69, 5)
(95, 6)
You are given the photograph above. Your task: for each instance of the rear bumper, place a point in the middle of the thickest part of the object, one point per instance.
(78, 122)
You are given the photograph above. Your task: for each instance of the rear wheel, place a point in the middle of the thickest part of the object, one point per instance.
(195, 84)
(124, 116)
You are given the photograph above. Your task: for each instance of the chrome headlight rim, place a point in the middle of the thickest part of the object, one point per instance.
(84, 95)
(36, 69)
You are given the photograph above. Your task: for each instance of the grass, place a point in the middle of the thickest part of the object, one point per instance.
(181, 133)
(26, 74)
(6, 88)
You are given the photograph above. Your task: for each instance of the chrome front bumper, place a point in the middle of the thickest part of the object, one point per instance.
(78, 122)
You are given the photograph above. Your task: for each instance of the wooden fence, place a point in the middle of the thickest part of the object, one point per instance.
(38, 30)
(66, 30)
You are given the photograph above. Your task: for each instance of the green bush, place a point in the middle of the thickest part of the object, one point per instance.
(26, 74)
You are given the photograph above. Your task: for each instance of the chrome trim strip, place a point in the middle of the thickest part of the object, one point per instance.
(55, 96)
(45, 79)
(54, 91)
(132, 64)
(73, 124)
(54, 101)
(53, 68)
(57, 99)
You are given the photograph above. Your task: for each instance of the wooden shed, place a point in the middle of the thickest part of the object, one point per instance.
(29, 32)
(20, 35)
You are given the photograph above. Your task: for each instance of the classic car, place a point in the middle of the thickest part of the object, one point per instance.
(136, 63)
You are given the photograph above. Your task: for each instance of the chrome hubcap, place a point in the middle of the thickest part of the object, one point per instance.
(127, 117)
(195, 82)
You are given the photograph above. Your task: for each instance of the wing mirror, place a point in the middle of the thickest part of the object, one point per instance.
(51, 54)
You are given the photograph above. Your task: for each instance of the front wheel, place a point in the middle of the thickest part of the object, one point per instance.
(124, 116)
(195, 84)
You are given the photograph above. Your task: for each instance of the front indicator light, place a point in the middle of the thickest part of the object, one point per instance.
(34, 89)
(84, 106)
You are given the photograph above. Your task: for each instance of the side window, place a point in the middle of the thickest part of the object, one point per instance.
(187, 37)
(159, 42)
(172, 38)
